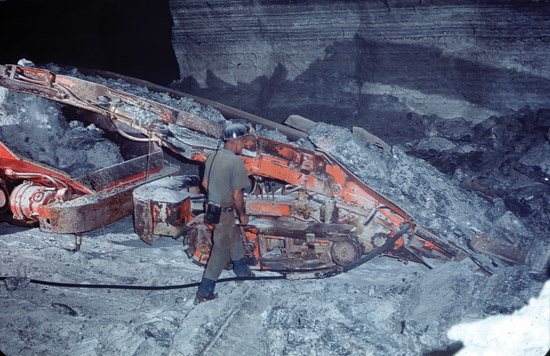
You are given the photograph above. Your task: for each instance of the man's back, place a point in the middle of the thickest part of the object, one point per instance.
(225, 173)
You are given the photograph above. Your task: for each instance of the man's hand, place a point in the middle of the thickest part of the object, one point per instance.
(243, 219)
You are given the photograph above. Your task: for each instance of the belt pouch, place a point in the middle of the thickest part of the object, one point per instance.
(213, 212)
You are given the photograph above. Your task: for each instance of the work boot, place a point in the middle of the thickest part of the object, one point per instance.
(199, 298)
(206, 291)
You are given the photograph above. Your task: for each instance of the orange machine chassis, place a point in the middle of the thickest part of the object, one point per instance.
(308, 212)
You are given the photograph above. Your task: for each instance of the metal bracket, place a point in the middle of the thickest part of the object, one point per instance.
(77, 242)
(484, 244)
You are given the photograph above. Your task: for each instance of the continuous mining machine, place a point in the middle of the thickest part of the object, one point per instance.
(308, 212)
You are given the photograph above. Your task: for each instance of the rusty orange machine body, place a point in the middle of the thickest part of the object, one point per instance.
(32, 192)
(308, 212)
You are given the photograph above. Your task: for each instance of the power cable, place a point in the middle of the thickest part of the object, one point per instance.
(131, 287)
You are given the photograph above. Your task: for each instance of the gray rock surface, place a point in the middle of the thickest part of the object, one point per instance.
(381, 308)
(502, 159)
(535, 161)
(372, 64)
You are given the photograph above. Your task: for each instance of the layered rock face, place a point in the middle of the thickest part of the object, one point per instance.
(379, 65)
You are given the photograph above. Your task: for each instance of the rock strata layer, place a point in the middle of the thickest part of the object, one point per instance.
(368, 63)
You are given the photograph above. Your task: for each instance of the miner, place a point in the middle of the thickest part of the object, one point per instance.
(224, 179)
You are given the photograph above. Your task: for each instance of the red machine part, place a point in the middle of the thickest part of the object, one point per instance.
(27, 198)
(3, 196)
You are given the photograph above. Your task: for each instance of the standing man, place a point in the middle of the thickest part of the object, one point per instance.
(224, 179)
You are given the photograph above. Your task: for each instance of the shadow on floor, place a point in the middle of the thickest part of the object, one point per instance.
(448, 351)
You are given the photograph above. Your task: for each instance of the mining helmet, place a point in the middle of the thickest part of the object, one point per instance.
(234, 131)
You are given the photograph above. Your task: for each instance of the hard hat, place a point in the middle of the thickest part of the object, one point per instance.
(234, 131)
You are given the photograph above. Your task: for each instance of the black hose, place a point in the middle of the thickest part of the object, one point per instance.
(346, 268)
(125, 286)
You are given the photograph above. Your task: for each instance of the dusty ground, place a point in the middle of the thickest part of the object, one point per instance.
(381, 308)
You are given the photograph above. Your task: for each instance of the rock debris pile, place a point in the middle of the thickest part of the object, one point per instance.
(505, 160)
(36, 128)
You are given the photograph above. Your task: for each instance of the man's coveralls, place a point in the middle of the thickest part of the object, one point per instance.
(225, 173)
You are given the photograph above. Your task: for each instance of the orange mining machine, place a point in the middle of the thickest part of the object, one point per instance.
(308, 213)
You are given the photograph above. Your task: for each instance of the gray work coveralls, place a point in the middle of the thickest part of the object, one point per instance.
(225, 173)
